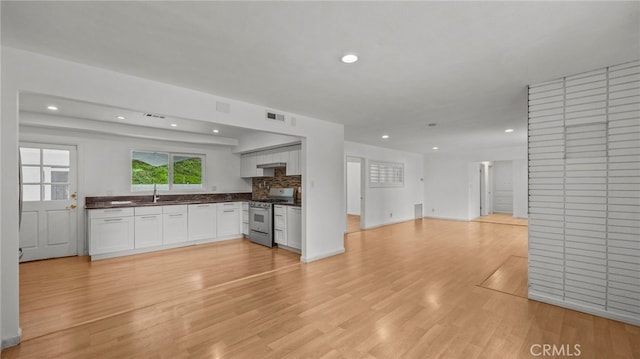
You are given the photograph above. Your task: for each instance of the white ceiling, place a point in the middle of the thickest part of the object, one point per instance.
(83, 111)
(464, 66)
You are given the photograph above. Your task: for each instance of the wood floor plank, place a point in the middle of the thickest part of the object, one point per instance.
(407, 290)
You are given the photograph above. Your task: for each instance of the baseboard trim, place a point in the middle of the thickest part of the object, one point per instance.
(390, 223)
(580, 308)
(11, 341)
(322, 256)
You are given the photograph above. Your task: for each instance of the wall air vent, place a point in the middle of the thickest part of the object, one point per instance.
(270, 115)
(153, 115)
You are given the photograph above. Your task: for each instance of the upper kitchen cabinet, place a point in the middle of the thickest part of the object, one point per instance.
(293, 162)
(288, 156)
(249, 167)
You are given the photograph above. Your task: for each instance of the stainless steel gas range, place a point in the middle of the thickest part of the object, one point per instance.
(261, 215)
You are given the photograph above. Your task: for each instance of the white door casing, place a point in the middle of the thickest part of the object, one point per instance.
(49, 212)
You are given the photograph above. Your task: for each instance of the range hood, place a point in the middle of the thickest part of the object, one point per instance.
(273, 165)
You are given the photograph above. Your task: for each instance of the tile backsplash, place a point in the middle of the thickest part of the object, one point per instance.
(261, 185)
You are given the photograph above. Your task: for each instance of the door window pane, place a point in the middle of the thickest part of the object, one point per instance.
(56, 192)
(30, 192)
(30, 174)
(55, 175)
(30, 156)
(55, 157)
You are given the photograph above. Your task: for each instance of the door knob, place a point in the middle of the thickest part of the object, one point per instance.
(73, 206)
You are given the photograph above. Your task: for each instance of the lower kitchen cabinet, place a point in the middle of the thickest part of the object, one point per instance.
(116, 232)
(175, 224)
(202, 221)
(148, 227)
(245, 218)
(294, 227)
(287, 226)
(229, 218)
(111, 231)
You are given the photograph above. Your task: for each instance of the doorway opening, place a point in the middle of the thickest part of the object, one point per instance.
(503, 192)
(354, 194)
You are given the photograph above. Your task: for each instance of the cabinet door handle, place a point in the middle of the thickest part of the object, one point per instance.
(229, 210)
(148, 217)
(113, 210)
(176, 215)
(203, 205)
(113, 220)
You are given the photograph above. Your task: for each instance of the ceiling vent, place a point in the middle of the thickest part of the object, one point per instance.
(270, 115)
(153, 115)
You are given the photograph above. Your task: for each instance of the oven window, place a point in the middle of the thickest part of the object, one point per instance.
(258, 217)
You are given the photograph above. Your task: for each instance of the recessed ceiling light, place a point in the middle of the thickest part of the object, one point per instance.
(385, 136)
(174, 125)
(120, 117)
(52, 108)
(349, 58)
(509, 130)
(216, 131)
(434, 148)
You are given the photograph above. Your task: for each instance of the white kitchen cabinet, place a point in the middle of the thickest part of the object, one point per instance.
(148, 227)
(280, 224)
(229, 218)
(293, 163)
(175, 224)
(248, 167)
(111, 230)
(245, 218)
(294, 227)
(202, 221)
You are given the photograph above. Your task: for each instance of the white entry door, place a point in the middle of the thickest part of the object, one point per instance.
(49, 211)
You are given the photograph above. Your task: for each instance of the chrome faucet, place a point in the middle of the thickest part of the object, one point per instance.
(156, 196)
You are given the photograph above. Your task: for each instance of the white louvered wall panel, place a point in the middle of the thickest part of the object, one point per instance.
(584, 192)
(623, 219)
(546, 189)
(586, 189)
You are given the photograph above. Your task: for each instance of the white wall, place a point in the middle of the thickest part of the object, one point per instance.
(520, 188)
(451, 186)
(379, 203)
(353, 187)
(322, 147)
(261, 141)
(104, 165)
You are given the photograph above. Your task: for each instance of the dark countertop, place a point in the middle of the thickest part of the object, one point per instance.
(165, 200)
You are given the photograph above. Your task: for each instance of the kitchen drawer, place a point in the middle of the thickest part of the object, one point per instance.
(147, 211)
(230, 205)
(110, 212)
(279, 209)
(181, 208)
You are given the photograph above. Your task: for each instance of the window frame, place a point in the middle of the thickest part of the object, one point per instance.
(170, 186)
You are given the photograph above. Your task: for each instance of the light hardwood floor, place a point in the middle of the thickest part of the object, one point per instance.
(408, 290)
(499, 218)
(353, 223)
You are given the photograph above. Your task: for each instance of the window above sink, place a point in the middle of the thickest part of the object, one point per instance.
(166, 171)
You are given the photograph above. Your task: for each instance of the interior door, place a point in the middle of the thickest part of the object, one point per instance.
(49, 213)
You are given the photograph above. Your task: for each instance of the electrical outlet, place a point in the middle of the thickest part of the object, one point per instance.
(433, 209)
(391, 215)
(214, 188)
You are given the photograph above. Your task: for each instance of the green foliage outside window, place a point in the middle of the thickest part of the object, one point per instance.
(153, 168)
